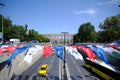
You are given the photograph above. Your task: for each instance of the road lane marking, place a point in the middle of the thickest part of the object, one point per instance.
(77, 68)
(80, 72)
(59, 69)
(31, 77)
(51, 62)
(36, 72)
(49, 66)
(67, 71)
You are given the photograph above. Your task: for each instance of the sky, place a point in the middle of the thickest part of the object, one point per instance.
(56, 16)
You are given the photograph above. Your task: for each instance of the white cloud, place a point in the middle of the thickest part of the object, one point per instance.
(108, 2)
(88, 11)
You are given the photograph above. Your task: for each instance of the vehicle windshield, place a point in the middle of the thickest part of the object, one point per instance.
(43, 68)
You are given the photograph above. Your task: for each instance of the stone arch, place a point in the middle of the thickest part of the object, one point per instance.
(59, 38)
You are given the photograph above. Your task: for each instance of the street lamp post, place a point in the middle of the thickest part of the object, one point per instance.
(2, 22)
(2, 30)
(65, 76)
(118, 18)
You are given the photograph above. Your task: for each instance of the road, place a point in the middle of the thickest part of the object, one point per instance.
(76, 70)
(53, 72)
(32, 72)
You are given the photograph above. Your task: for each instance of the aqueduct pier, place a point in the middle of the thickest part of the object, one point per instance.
(60, 38)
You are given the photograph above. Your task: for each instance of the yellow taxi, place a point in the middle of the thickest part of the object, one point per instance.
(43, 70)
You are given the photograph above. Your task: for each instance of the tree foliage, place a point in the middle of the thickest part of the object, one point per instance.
(110, 23)
(86, 33)
(19, 31)
(109, 31)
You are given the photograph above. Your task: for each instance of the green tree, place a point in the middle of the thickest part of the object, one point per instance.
(41, 38)
(76, 38)
(109, 23)
(6, 22)
(93, 36)
(32, 34)
(19, 31)
(84, 32)
(110, 29)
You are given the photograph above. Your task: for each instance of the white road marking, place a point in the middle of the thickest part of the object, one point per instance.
(51, 62)
(50, 66)
(59, 69)
(78, 68)
(80, 72)
(31, 77)
(36, 71)
(67, 71)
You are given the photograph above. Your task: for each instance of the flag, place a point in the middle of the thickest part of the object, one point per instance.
(50, 51)
(103, 55)
(16, 52)
(45, 54)
(59, 51)
(73, 46)
(11, 50)
(99, 52)
(47, 50)
(3, 49)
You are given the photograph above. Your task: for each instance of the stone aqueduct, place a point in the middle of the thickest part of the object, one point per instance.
(59, 38)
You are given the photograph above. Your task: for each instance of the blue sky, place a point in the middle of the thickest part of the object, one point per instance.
(56, 16)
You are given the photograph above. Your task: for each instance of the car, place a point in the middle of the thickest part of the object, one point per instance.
(43, 70)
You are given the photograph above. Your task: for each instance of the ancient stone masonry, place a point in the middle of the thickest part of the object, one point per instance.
(59, 38)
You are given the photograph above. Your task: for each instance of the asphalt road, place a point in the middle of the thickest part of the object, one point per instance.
(53, 72)
(76, 69)
(32, 72)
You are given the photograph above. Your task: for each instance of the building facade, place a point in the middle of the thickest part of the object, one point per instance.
(60, 38)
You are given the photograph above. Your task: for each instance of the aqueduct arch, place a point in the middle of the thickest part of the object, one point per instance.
(59, 38)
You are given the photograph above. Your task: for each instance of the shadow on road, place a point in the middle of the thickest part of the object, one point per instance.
(22, 77)
(2, 65)
(52, 77)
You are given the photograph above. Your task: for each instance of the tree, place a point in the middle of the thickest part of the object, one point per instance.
(7, 23)
(93, 36)
(110, 29)
(84, 32)
(32, 34)
(76, 38)
(19, 31)
(110, 22)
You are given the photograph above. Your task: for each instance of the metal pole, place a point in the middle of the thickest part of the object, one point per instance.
(1, 4)
(64, 52)
(118, 18)
(64, 67)
(2, 30)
